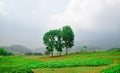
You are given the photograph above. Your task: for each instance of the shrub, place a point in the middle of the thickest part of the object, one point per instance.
(4, 52)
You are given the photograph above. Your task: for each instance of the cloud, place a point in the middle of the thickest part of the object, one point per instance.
(26, 21)
(81, 14)
(3, 7)
(91, 20)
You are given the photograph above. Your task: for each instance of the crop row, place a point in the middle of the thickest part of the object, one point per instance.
(73, 62)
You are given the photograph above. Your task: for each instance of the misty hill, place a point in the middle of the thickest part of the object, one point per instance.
(89, 48)
(38, 50)
(17, 49)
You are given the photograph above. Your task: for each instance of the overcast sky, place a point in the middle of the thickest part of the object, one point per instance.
(94, 22)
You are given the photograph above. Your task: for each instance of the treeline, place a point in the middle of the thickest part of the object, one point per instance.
(35, 53)
(3, 52)
(58, 39)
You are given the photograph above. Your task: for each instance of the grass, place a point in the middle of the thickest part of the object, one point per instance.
(115, 56)
(112, 69)
(73, 63)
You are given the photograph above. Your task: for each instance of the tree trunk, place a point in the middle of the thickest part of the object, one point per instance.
(52, 53)
(66, 51)
(60, 53)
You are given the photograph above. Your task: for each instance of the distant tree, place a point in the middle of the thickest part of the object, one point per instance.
(46, 52)
(83, 49)
(38, 53)
(29, 53)
(68, 37)
(114, 49)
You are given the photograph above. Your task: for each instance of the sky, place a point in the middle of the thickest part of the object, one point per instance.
(94, 22)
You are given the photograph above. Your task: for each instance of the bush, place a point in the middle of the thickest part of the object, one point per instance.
(4, 52)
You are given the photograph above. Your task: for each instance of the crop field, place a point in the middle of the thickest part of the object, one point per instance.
(94, 62)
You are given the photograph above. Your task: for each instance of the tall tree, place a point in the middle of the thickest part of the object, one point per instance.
(49, 41)
(59, 44)
(68, 37)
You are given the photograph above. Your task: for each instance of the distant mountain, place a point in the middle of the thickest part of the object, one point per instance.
(17, 49)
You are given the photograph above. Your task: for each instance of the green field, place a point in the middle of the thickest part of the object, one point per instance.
(95, 62)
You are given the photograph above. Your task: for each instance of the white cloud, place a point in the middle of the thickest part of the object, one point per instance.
(80, 14)
(2, 7)
(27, 20)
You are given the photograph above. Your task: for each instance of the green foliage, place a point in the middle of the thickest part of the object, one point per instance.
(114, 49)
(73, 62)
(112, 69)
(15, 70)
(35, 53)
(29, 53)
(49, 40)
(68, 37)
(21, 64)
(57, 39)
(4, 52)
(13, 64)
(53, 40)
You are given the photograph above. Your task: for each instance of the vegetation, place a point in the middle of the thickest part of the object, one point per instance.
(49, 40)
(114, 49)
(57, 39)
(3, 52)
(73, 62)
(79, 62)
(58, 42)
(112, 69)
(35, 53)
(68, 37)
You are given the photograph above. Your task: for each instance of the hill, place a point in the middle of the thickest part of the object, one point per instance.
(17, 49)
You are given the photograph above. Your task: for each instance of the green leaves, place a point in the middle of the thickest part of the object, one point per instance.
(3, 52)
(68, 37)
(73, 62)
(112, 69)
(57, 39)
(49, 40)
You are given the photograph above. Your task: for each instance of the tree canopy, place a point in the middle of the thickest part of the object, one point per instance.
(68, 37)
(57, 39)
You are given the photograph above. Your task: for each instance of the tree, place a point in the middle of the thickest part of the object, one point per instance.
(49, 41)
(68, 37)
(58, 41)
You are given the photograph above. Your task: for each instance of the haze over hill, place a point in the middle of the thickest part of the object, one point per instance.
(94, 22)
(16, 49)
